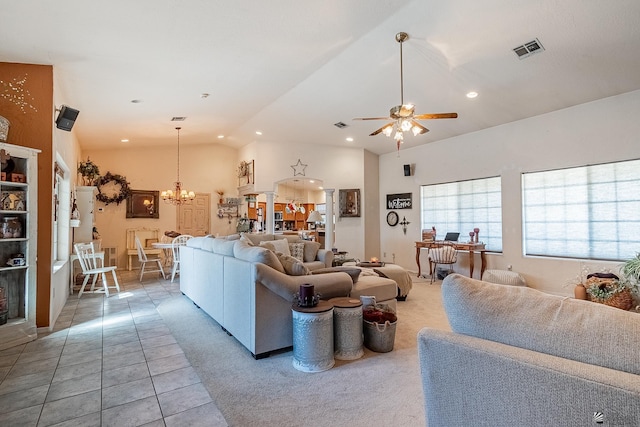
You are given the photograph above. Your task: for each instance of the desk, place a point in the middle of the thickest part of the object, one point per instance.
(73, 258)
(472, 248)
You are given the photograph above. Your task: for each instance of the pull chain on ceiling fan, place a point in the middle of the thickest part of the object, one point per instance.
(403, 117)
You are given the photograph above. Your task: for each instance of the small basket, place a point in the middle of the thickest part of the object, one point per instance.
(622, 300)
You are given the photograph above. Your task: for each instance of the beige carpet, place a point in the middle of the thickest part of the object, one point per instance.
(378, 389)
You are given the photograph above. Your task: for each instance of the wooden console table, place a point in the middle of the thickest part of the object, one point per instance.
(472, 248)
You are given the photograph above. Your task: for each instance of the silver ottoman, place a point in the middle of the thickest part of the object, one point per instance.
(347, 328)
(313, 337)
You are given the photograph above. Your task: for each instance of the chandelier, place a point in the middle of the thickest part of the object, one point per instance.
(177, 195)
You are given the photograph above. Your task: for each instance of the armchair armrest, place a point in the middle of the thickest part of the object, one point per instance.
(326, 256)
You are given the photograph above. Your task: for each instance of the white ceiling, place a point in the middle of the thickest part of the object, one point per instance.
(292, 68)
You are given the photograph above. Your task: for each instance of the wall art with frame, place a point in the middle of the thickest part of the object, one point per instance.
(349, 202)
(143, 204)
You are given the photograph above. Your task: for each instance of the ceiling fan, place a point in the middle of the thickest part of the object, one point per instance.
(403, 117)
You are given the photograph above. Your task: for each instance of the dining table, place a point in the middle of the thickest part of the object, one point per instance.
(470, 247)
(167, 252)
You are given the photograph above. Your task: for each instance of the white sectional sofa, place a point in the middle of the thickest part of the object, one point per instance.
(244, 288)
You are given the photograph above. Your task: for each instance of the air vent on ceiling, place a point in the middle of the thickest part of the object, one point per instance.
(529, 49)
(178, 119)
(340, 125)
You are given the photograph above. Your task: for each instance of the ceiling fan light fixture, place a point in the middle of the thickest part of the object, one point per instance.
(387, 130)
(398, 136)
(405, 125)
(416, 130)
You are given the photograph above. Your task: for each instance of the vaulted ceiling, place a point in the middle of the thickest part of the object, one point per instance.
(292, 69)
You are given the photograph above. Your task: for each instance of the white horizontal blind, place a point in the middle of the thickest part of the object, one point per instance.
(588, 212)
(462, 206)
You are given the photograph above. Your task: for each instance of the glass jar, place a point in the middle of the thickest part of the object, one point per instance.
(11, 227)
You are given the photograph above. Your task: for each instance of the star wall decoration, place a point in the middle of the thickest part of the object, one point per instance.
(298, 168)
(15, 92)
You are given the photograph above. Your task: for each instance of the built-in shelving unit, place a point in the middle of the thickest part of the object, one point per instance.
(18, 244)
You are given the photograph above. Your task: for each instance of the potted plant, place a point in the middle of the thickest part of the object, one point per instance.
(631, 271)
(89, 172)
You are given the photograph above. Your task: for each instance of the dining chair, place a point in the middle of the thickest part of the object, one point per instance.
(91, 269)
(446, 254)
(175, 249)
(144, 260)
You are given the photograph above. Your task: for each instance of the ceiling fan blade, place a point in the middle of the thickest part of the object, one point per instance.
(436, 116)
(419, 126)
(374, 133)
(372, 118)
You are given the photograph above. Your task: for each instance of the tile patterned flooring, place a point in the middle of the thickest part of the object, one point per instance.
(107, 362)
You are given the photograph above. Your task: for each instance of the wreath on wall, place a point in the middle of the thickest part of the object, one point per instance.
(118, 197)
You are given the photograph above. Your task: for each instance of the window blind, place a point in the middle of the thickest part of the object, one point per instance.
(462, 206)
(590, 212)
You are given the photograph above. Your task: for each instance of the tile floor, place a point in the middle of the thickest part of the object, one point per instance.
(108, 362)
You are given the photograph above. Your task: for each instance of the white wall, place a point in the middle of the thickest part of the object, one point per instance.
(600, 131)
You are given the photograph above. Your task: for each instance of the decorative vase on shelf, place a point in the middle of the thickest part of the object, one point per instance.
(4, 129)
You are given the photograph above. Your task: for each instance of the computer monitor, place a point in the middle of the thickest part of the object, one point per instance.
(452, 237)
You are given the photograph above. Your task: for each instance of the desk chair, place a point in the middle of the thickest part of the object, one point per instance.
(144, 260)
(91, 269)
(175, 248)
(446, 254)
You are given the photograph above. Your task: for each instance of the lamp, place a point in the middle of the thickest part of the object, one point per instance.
(177, 196)
(315, 217)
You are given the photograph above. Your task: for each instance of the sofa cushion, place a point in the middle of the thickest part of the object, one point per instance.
(256, 238)
(223, 246)
(292, 266)
(196, 242)
(243, 251)
(297, 250)
(281, 246)
(380, 287)
(527, 318)
(311, 250)
(208, 244)
(351, 271)
(247, 240)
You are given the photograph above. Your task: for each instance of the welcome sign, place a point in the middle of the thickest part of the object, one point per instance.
(399, 201)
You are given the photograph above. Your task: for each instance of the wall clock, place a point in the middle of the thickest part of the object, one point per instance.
(392, 218)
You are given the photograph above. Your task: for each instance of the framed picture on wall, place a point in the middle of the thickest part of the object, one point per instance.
(349, 202)
(143, 204)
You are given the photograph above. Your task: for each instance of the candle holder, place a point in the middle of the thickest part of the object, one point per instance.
(306, 297)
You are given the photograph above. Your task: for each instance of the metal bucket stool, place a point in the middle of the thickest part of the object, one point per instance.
(313, 337)
(347, 328)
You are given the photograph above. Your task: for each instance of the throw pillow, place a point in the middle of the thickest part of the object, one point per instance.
(311, 250)
(281, 245)
(268, 245)
(351, 271)
(257, 254)
(292, 266)
(297, 250)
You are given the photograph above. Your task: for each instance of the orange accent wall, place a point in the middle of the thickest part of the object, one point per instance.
(33, 127)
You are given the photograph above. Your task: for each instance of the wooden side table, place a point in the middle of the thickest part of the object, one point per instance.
(313, 337)
(348, 337)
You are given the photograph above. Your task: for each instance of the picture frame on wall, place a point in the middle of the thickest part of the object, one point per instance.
(143, 204)
(349, 202)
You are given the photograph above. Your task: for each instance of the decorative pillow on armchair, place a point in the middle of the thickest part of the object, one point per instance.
(292, 266)
(311, 250)
(297, 250)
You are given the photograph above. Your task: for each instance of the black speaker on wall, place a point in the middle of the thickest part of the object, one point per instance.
(407, 170)
(66, 118)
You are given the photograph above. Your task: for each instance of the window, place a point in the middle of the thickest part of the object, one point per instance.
(590, 212)
(462, 206)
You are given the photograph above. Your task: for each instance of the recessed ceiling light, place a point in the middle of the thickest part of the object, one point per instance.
(220, 136)
(350, 139)
(204, 95)
(258, 132)
(472, 94)
(124, 140)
